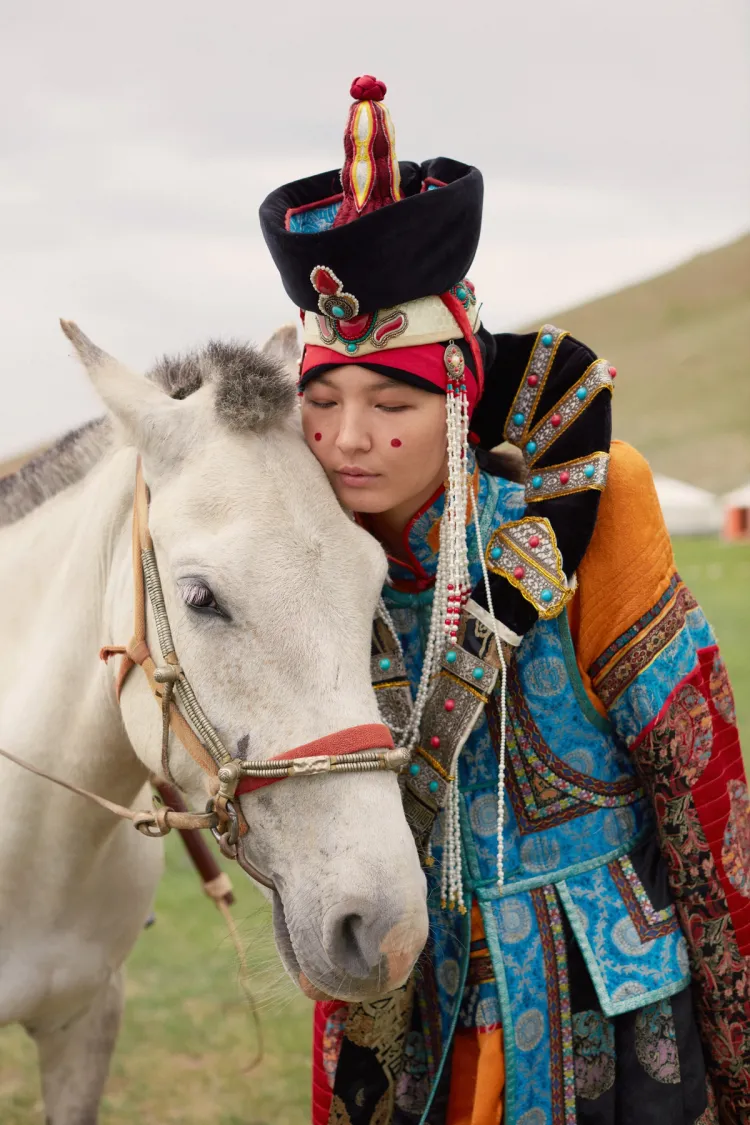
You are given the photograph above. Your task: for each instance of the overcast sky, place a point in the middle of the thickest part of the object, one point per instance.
(137, 141)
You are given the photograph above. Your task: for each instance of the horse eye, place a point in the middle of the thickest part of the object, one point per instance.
(199, 597)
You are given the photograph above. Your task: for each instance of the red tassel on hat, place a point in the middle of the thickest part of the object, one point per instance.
(370, 177)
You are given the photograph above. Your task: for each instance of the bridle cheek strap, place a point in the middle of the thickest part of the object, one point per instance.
(368, 736)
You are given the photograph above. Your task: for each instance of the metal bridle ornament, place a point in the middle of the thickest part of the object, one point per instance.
(360, 749)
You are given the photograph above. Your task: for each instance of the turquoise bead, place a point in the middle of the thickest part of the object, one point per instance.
(433, 787)
(414, 769)
(589, 471)
(461, 293)
(547, 339)
(450, 388)
(519, 419)
(546, 595)
(581, 393)
(451, 657)
(531, 447)
(537, 482)
(337, 311)
(478, 673)
(385, 664)
(351, 347)
(496, 552)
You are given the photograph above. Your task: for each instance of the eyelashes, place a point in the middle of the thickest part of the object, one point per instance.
(200, 597)
(379, 406)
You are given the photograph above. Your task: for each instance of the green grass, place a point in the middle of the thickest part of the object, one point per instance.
(187, 1037)
(719, 576)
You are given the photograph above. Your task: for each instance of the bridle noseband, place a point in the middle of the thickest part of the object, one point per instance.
(360, 749)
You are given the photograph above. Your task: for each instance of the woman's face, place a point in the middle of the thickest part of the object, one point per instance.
(382, 443)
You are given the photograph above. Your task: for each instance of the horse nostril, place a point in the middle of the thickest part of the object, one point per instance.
(352, 946)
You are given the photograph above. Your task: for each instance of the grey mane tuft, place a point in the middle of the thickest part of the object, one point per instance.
(252, 391)
(55, 469)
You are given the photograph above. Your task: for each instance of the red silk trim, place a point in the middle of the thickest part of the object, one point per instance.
(322, 1094)
(311, 207)
(368, 736)
(423, 360)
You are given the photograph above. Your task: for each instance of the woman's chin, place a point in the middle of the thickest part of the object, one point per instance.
(367, 500)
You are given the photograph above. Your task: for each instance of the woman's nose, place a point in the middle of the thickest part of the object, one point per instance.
(352, 436)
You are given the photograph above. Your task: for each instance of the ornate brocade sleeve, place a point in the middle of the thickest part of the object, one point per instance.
(650, 658)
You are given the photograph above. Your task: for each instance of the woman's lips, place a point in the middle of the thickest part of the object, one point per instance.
(355, 478)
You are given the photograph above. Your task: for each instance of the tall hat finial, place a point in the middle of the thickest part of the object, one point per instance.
(370, 177)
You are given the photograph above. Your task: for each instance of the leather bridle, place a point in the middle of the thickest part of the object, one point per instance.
(359, 749)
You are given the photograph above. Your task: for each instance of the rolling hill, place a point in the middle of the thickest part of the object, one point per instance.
(681, 345)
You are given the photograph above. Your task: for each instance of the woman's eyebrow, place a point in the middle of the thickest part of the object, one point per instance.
(384, 383)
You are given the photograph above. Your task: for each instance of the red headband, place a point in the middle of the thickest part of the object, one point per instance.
(424, 361)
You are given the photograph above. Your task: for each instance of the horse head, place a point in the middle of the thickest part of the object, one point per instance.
(270, 589)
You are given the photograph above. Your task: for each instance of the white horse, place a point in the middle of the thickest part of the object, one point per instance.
(270, 589)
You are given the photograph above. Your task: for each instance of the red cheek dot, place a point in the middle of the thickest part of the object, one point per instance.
(395, 442)
(318, 437)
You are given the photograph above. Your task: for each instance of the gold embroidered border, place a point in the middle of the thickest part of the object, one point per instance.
(595, 378)
(527, 398)
(578, 481)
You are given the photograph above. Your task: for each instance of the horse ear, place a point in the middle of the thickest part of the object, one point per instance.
(284, 347)
(146, 413)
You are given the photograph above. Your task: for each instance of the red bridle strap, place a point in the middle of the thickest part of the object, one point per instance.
(369, 736)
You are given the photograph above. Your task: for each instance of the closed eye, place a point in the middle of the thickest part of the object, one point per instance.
(200, 597)
(392, 409)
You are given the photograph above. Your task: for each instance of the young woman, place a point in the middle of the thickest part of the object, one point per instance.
(576, 786)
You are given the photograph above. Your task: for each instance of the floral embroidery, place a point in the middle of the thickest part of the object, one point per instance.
(656, 1043)
(331, 1049)
(720, 971)
(735, 853)
(594, 1054)
(413, 1087)
(721, 692)
(693, 732)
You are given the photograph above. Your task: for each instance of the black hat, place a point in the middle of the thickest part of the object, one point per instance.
(354, 245)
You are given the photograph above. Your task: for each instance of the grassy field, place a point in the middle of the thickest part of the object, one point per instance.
(187, 1038)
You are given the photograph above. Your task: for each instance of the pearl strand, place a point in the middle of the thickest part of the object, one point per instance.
(451, 592)
(503, 706)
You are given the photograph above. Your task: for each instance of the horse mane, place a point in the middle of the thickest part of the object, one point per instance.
(252, 393)
(65, 463)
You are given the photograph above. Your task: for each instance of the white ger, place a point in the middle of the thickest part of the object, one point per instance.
(270, 590)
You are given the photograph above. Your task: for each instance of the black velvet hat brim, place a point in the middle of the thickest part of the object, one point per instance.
(419, 247)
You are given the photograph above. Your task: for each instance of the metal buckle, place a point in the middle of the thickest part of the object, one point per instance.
(229, 838)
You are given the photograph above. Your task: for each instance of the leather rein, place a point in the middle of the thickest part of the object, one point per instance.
(359, 749)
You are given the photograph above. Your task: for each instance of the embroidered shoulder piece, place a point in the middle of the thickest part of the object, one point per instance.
(568, 477)
(524, 405)
(597, 377)
(526, 553)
